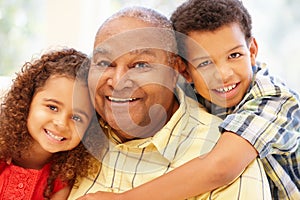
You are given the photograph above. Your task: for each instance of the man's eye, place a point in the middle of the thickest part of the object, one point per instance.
(77, 118)
(103, 63)
(51, 107)
(141, 65)
(235, 55)
(204, 64)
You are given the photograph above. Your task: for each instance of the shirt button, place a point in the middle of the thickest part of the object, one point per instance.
(20, 185)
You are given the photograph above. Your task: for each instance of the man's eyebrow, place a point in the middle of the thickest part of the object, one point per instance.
(146, 51)
(80, 111)
(200, 58)
(101, 50)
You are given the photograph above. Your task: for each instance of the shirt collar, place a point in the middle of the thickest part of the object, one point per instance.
(168, 136)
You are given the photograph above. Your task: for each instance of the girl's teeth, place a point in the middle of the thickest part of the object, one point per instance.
(58, 138)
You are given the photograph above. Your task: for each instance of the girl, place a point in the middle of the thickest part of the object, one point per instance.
(43, 118)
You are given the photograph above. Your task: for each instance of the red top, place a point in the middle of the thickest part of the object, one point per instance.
(18, 183)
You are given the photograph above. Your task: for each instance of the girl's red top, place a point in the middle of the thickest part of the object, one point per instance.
(27, 184)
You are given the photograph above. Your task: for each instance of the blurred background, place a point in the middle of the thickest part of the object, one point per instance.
(29, 27)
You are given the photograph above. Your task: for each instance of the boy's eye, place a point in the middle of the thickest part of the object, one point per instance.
(204, 64)
(235, 55)
(51, 107)
(77, 118)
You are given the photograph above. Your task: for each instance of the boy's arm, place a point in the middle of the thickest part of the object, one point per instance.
(226, 161)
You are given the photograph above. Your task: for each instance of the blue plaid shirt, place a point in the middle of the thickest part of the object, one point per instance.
(269, 118)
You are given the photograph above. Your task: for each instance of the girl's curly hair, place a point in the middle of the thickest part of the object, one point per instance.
(15, 139)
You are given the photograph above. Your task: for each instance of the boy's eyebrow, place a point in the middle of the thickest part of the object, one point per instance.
(236, 47)
(207, 57)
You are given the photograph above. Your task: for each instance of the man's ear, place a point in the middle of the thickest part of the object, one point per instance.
(183, 69)
(253, 47)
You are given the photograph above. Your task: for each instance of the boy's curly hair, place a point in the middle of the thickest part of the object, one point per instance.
(14, 136)
(209, 15)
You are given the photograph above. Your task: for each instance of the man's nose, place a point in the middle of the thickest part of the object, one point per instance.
(120, 78)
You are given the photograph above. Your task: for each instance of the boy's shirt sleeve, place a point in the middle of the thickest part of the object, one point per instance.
(268, 117)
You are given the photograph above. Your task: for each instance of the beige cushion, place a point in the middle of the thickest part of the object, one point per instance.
(5, 82)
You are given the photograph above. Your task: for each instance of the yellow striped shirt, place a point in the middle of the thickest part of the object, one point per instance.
(191, 132)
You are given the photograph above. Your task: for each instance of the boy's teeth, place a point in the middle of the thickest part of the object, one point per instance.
(58, 138)
(226, 89)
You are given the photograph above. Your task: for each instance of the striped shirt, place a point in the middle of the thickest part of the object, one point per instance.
(269, 118)
(190, 132)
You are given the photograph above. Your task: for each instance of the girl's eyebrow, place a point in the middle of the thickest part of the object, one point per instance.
(78, 110)
(53, 100)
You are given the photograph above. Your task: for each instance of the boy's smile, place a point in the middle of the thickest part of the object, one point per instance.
(221, 65)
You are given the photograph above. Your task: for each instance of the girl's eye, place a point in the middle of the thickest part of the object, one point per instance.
(235, 55)
(51, 107)
(204, 64)
(141, 65)
(77, 118)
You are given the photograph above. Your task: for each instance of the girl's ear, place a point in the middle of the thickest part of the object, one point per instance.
(253, 50)
(183, 70)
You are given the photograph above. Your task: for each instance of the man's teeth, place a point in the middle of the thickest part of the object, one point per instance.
(226, 89)
(121, 100)
(58, 138)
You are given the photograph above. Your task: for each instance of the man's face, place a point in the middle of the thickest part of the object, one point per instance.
(220, 64)
(130, 79)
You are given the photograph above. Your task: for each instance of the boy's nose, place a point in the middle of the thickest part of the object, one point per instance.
(224, 73)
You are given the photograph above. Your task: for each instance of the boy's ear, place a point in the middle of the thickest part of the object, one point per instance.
(253, 47)
(182, 69)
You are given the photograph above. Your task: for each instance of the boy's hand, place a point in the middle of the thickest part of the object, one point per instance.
(100, 195)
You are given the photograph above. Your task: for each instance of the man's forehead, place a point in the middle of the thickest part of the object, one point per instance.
(110, 51)
(135, 39)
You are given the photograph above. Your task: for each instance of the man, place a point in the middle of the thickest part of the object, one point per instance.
(152, 127)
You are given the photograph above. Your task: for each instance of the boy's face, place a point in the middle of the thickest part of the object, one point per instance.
(220, 64)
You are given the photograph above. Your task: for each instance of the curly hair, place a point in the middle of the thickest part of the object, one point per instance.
(14, 136)
(209, 15)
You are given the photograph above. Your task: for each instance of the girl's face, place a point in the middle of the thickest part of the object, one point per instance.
(220, 64)
(59, 115)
